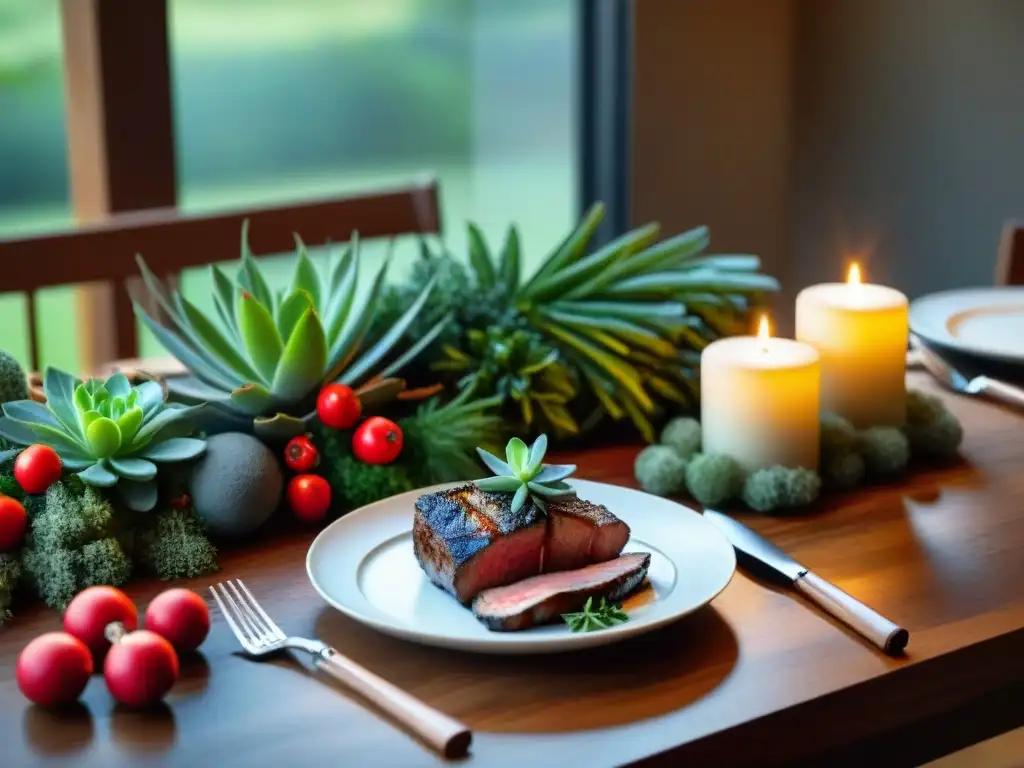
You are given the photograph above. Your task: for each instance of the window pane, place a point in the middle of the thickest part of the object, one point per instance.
(302, 98)
(33, 165)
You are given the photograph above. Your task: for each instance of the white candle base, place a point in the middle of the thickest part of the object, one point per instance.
(760, 402)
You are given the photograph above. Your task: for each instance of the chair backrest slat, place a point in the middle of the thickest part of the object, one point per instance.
(172, 242)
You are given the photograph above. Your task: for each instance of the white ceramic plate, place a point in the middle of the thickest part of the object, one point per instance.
(363, 565)
(985, 322)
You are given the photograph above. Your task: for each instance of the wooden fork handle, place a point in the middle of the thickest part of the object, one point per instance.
(447, 735)
(890, 637)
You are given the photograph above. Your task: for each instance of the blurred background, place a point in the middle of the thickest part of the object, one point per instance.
(804, 131)
(279, 100)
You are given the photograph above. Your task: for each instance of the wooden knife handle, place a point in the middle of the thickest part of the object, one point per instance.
(879, 630)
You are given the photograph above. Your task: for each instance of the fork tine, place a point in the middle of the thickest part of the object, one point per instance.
(229, 618)
(242, 617)
(259, 609)
(265, 634)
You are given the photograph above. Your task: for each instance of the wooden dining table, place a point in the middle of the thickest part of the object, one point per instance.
(757, 677)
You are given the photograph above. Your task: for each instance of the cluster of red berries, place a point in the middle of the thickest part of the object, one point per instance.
(376, 441)
(36, 469)
(100, 630)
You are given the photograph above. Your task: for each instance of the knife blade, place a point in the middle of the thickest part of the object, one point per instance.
(890, 637)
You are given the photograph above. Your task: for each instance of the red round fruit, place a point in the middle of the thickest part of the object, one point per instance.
(181, 501)
(300, 454)
(140, 668)
(54, 669)
(37, 468)
(13, 522)
(309, 497)
(181, 617)
(338, 406)
(377, 441)
(92, 609)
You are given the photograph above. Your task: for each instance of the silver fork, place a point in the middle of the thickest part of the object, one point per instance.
(979, 385)
(260, 636)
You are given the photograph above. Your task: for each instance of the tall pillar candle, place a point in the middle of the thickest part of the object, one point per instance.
(861, 332)
(760, 401)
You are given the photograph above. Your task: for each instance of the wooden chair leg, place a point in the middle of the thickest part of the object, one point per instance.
(1010, 259)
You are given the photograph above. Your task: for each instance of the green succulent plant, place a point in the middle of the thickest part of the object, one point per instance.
(525, 474)
(519, 367)
(108, 432)
(261, 365)
(628, 319)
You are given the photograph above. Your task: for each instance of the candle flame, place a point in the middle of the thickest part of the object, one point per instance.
(764, 332)
(853, 276)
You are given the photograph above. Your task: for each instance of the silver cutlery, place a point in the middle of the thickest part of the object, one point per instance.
(979, 385)
(260, 637)
(891, 638)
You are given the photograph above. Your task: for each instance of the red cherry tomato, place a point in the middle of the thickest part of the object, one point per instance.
(37, 468)
(140, 668)
(92, 609)
(377, 441)
(13, 522)
(54, 669)
(300, 454)
(181, 617)
(338, 406)
(309, 497)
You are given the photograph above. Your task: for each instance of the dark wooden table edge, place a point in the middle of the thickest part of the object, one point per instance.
(906, 717)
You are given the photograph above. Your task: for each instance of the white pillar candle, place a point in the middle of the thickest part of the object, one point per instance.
(861, 332)
(760, 401)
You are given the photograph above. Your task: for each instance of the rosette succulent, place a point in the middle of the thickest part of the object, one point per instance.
(525, 474)
(261, 363)
(110, 433)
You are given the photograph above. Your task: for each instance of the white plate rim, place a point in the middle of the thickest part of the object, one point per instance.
(513, 643)
(929, 314)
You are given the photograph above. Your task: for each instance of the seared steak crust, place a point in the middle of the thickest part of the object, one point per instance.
(467, 540)
(581, 533)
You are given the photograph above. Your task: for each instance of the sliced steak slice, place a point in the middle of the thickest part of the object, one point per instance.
(543, 599)
(468, 540)
(581, 533)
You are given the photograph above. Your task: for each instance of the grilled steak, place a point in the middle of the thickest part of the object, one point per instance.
(581, 533)
(543, 599)
(468, 540)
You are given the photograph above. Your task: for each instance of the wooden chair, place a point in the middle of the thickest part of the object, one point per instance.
(1010, 259)
(171, 242)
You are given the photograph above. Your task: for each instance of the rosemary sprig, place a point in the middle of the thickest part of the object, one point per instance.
(591, 619)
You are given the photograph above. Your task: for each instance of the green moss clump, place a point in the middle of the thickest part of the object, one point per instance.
(932, 430)
(358, 484)
(842, 472)
(9, 486)
(838, 436)
(714, 479)
(885, 451)
(72, 544)
(13, 382)
(683, 435)
(660, 470)
(173, 545)
(10, 576)
(781, 488)
(355, 484)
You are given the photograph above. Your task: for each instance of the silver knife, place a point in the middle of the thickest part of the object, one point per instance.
(956, 381)
(879, 630)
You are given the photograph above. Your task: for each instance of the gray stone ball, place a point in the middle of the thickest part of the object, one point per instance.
(236, 485)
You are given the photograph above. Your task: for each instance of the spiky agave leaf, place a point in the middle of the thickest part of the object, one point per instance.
(108, 432)
(627, 315)
(261, 361)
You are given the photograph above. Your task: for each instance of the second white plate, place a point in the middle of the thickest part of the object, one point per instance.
(984, 322)
(363, 565)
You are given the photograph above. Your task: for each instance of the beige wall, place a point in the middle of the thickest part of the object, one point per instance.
(811, 130)
(712, 121)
